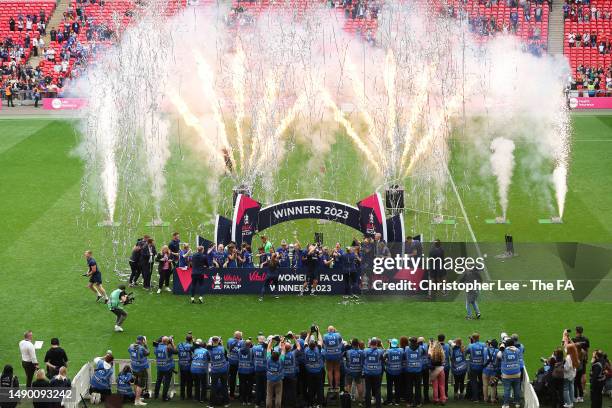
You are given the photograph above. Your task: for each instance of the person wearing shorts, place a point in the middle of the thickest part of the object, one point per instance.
(95, 277)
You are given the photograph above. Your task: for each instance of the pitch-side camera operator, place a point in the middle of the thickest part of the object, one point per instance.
(118, 299)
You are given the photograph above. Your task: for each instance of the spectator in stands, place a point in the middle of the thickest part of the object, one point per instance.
(40, 381)
(55, 358)
(11, 24)
(8, 381)
(62, 381)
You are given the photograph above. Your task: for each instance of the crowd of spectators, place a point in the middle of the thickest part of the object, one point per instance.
(290, 370)
(596, 80)
(581, 11)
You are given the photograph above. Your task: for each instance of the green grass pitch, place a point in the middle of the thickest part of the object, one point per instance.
(46, 228)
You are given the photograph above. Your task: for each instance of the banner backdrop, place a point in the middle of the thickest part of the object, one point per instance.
(250, 281)
(223, 230)
(244, 221)
(372, 216)
(309, 208)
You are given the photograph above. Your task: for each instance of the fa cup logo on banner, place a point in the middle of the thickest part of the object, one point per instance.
(247, 228)
(217, 283)
(370, 226)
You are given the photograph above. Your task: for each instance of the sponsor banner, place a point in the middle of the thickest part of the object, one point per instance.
(372, 216)
(591, 103)
(64, 103)
(308, 208)
(290, 281)
(244, 223)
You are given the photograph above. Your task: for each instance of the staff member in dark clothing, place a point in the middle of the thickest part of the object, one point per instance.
(349, 271)
(147, 258)
(271, 276)
(598, 378)
(199, 264)
(55, 358)
(175, 247)
(437, 273)
(135, 264)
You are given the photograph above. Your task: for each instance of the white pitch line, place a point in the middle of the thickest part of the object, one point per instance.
(467, 220)
(592, 140)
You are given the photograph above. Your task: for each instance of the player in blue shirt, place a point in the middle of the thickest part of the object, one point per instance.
(394, 358)
(95, 277)
(372, 372)
(185, 351)
(332, 350)
(336, 255)
(476, 351)
(245, 257)
(200, 360)
(283, 255)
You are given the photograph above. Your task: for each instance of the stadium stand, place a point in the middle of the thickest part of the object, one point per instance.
(587, 45)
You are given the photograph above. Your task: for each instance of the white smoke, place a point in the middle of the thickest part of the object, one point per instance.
(502, 165)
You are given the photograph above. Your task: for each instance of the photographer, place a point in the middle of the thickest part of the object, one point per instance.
(311, 261)
(259, 363)
(332, 350)
(218, 370)
(459, 368)
(199, 370)
(354, 369)
(140, 367)
(394, 358)
(413, 369)
(118, 299)
(274, 372)
(372, 372)
(164, 350)
(125, 382)
(510, 358)
(314, 367)
(233, 347)
(246, 370)
(476, 351)
(290, 371)
(185, 352)
(490, 372)
(100, 382)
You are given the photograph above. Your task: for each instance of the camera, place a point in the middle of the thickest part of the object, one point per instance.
(568, 330)
(129, 298)
(314, 328)
(276, 338)
(289, 335)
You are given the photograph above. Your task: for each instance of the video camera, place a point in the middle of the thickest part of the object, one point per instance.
(129, 298)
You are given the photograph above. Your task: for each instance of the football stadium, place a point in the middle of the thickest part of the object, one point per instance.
(306, 203)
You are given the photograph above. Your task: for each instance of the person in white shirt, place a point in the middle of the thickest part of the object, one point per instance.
(29, 362)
